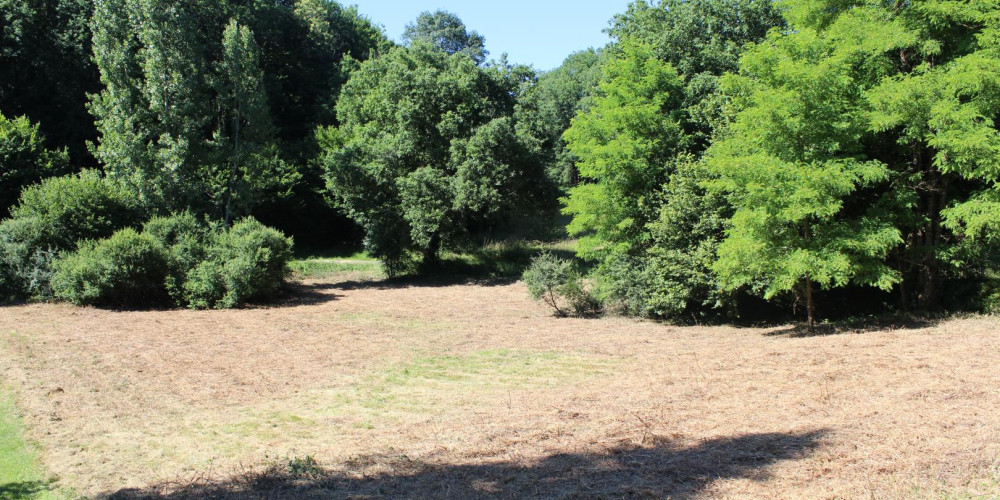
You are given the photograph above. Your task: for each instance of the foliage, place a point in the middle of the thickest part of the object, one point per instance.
(186, 241)
(703, 40)
(127, 269)
(673, 278)
(426, 151)
(50, 218)
(246, 263)
(45, 46)
(211, 105)
(24, 159)
(446, 32)
(556, 281)
(549, 105)
(625, 143)
(790, 164)
(78, 207)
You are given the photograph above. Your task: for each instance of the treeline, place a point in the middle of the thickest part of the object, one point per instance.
(717, 159)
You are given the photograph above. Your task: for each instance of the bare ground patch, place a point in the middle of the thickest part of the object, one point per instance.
(465, 390)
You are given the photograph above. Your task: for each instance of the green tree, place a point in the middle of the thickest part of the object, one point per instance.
(625, 143)
(246, 125)
(24, 159)
(702, 39)
(793, 165)
(45, 48)
(549, 105)
(425, 150)
(446, 32)
(928, 72)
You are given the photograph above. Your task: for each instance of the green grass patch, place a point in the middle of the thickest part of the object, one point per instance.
(426, 383)
(324, 268)
(21, 476)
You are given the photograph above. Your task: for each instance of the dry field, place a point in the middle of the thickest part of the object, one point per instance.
(358, 388)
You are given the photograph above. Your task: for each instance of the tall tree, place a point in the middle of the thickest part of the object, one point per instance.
(426, 148)
(246, 122)
(446, 32)
(626, 143)
(928, 70)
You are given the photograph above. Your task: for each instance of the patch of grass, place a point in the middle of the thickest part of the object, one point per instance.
(21, 476)
(416, 385)
(324, 268)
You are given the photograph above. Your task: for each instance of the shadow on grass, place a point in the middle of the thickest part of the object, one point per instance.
(23, 491)
(658, 471)
(858, 326)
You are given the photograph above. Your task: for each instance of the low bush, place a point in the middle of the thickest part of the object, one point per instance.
(556, 282)
(248, 262)
(128, 269)
(186, 241)
(51, 217)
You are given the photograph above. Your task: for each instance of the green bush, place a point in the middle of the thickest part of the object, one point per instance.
(24, 159)
(52, 217)
(79, 207)
(246, 263)
(186, 241)
(555, 281)
(25, 263)
(127, 269)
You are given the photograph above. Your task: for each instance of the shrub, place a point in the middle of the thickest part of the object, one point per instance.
(128, 269)
(24, 159)
(554, 281)
(50, 218)
(246, 263)
(25, 263)
(79, 207)
(186, 241)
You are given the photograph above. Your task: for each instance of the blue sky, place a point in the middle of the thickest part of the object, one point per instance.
(537, 32)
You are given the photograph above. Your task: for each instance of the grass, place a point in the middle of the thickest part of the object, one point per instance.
(321, 268)
(21, 476)
(457, 389)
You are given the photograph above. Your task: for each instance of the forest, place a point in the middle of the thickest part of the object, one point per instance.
(715, 161)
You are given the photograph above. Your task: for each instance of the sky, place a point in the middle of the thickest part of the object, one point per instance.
(537, 32)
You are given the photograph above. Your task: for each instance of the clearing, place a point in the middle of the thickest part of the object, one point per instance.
(360, 387)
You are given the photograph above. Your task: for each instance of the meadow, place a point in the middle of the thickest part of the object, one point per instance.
(357, 386)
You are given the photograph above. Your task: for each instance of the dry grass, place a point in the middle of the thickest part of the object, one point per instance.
(465, 390)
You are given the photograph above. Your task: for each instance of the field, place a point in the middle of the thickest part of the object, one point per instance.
(358, 387)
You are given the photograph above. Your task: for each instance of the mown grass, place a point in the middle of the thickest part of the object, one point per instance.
(21, 476)
(322, 268)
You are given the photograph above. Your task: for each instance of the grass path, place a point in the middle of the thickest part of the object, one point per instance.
(21, 476)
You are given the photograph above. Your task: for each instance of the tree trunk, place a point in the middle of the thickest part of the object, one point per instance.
(431, 252)
(810, 306)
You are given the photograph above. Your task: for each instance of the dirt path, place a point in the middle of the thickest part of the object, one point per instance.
(475, 390)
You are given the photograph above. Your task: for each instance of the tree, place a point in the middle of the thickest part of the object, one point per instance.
(549, 105)
(426, 149)
(447, 33)
(46, 47)
(246, 125)
(793, 167)
(625, 144)
(928, 71)
(702, 39)
(24, 159)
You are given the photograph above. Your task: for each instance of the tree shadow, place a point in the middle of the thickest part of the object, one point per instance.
(657, 471)
(857, 326)
(23, 490)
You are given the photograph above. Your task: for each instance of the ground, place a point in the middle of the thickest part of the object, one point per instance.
(357, 387)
